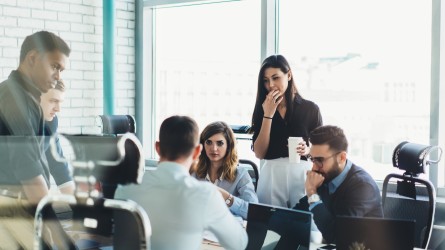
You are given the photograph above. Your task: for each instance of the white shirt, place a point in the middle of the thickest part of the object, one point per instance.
(180, 208)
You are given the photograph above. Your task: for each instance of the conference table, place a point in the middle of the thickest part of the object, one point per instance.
(209, 245)
(210, 241)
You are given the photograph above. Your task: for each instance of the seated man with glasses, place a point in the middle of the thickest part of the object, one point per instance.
(336, 186)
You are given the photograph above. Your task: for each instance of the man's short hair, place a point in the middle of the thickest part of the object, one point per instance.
(178, 136)
(60, 85)
(43, 41)
(330, 135)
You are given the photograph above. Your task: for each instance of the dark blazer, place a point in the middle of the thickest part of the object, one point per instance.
(357, 196)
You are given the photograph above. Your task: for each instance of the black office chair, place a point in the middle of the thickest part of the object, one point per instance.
(95, 221)
(253, 170)
(114, 125)
(240, 129)
(117, 124)
(252, 167)
(411, 197)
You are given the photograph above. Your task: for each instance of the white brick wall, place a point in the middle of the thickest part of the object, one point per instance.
(80, 24)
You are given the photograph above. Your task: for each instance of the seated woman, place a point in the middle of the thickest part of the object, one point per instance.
(218, 164)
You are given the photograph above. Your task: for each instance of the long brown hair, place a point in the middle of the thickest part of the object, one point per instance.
(230, 160)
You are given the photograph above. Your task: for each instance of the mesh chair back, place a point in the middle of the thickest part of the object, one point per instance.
(253, 170)
(413, 198)
(129, 170)
(108, 223)
(112, 159)
(421, 208)
(97, 222)
(241, 132)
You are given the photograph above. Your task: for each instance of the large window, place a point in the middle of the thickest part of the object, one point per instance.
(206, 59)
(367, 64)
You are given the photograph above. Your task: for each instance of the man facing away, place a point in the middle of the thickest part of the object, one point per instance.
(180, 207)
(24, 174)
(335, 186)
(51, 104)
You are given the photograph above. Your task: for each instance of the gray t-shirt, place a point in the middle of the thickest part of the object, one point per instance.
(22, 155)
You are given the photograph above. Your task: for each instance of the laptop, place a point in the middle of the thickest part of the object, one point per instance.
(374, 233)
(270, 227)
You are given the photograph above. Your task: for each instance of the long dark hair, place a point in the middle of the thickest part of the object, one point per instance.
(279, 62)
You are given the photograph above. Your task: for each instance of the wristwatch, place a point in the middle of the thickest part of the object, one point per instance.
(313, 198)
(229, 200)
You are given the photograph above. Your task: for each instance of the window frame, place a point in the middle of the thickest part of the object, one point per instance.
(269, 45)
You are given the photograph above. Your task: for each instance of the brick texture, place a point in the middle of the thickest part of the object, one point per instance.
(80, 24)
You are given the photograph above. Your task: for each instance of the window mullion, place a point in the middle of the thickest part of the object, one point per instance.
(269, 28)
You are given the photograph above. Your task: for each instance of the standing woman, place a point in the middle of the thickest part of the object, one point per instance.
(218, 164)
(280, 112)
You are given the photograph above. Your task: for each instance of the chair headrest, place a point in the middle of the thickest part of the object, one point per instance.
(111, 159)
(240, 129)
(413, 157)
(117, 124)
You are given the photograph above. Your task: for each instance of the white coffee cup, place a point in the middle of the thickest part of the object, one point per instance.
(292, 143)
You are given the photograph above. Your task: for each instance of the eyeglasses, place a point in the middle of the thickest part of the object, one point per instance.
(318, 161)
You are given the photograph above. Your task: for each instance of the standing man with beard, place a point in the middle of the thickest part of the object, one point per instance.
(335, 186)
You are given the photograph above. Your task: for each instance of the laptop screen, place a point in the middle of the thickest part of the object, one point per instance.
(374, 233)
(270, 227)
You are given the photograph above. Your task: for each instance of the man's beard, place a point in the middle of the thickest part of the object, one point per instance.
(334, 172)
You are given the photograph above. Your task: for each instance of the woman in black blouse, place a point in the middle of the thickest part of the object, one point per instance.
(280, 112)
